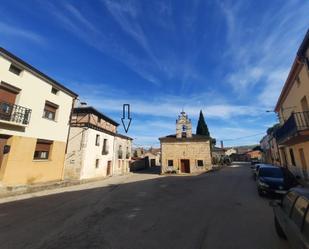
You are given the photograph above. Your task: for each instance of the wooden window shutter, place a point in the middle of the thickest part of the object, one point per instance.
(7, 95)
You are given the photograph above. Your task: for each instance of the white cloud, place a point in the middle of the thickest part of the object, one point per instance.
(11, 30)
(262, 52)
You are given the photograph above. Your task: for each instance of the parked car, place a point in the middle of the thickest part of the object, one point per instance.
(255, 168)
(292, 217)
(254, 161)
(272, 179)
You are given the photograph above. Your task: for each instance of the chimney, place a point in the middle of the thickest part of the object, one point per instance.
(222, 144)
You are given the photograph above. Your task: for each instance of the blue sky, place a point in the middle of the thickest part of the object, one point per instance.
(228, 58)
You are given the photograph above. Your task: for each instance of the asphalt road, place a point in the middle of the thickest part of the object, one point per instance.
(215, 210)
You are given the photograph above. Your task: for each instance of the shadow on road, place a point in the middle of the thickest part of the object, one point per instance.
(152, 170)
(204, 211)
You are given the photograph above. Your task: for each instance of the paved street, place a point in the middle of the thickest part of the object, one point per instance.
(216, 210)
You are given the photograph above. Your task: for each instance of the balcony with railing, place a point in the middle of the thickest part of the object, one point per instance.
(295, 129)
(128, 155)
(120, 154)
(14, 114)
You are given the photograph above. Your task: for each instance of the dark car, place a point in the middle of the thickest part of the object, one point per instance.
(272, 179)
(254, 161)
(292, 217)
(255, 168)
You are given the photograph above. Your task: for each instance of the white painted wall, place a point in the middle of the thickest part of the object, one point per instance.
(34, 92)
(93, 152)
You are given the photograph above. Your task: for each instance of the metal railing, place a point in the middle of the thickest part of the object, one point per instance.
(298, 121)
(14, 113)
(127, 155)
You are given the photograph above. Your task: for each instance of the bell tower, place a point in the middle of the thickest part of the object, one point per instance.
(183, 126)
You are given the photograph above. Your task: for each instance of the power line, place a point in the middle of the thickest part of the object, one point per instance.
(232, 139)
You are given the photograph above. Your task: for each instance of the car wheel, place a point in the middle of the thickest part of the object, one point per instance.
(279, 230)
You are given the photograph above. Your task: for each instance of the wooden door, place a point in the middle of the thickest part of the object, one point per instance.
(109, 167)
(185, 166)
(303, 163)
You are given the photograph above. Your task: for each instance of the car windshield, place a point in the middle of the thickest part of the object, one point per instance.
(271, 172)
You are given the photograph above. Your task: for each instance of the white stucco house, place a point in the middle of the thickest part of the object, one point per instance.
(95, 149)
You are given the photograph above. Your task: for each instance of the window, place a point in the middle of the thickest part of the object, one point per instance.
(42, 149)
(299, 211)
(15, 70)
(120, 152)
(127, 153)
(170, 163)
(105, 149)
(97, 163)
(54, 91)
(200, 163)
(99, 119)
(50, 110)
(97, 140)
(292, 157)
(8, 93)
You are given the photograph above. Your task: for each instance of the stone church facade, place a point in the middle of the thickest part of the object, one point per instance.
(185, 152)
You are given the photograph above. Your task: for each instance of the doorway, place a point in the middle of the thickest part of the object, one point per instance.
(284, 160)
(185, 166)
(303, 163)
(109, 166)
(153, 162)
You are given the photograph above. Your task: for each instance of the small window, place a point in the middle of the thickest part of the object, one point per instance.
(288, 202)
(42, 149)
(292, 157)
(200, 163)
(104, 149)
(54, 91)
(97, 163)
(15, 70)
(99, 120)
(299, 210)
(170, 163)
(97, 140)
(50, 110)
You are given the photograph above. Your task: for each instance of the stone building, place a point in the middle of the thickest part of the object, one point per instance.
(185, 152)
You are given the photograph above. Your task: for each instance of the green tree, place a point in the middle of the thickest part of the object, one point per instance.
(202, 128)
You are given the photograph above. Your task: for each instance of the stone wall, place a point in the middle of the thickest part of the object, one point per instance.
(190, 150)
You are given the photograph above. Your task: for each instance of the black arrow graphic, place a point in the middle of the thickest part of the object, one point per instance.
(126, 117)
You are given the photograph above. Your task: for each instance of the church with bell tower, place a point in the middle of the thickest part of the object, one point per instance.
(185, 152)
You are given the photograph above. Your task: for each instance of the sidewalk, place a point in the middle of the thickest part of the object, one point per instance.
(27, 191)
